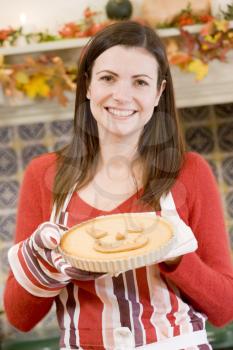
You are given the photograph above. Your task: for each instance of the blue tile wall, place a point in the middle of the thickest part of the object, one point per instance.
(8, 161)
(31, 132)
(227, 170)
(200, 139)
(225, 139)
(6, 135)
(61, 128)
(31, 151)
(8, 193)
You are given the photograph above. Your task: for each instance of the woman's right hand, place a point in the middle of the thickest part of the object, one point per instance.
(39, 268)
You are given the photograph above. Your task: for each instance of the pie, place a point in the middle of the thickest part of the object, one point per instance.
(118, 242)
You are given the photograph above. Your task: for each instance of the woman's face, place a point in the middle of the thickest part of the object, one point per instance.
(123, 90)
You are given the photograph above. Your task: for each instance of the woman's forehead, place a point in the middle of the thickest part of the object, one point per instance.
(124, 58)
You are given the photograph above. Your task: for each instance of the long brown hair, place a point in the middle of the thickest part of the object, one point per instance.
(160, 147)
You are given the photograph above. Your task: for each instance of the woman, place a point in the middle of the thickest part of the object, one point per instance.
(126, 155)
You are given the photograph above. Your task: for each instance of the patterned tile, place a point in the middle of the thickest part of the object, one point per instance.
(225, 136)
(4, 260)
(224, 110)
(214, 168)
(30, 152)
(229, 201)
(58, 145)
(8, 193)
(8, 161)
(194, 113)
(7, 227)
(6, 134)
(227, 170)
(200, 139)
(61, 127)
(231, 235)
(32, 131)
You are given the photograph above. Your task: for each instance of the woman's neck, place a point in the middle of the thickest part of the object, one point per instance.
(117, 157)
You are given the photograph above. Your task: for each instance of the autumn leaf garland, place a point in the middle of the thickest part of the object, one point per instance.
(43, 78)
(193, 52)
(47, 77)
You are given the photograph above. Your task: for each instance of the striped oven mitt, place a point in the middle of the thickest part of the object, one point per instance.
(39, 268)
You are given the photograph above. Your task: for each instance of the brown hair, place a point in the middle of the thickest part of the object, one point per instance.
(160, 146)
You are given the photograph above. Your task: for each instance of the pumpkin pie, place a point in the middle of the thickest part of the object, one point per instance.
(118, 242)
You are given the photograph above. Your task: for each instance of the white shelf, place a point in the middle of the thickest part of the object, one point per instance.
(168, 32)
(42, 47)
(78, 43)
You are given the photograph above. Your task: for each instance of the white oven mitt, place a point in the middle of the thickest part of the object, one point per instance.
(185, 239)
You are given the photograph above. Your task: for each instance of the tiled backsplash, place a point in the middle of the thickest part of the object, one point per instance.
(208, 130)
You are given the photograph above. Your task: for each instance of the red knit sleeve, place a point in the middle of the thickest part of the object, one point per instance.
(24, 310)
(206, 276)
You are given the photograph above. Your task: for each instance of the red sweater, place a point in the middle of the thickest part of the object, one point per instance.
(205, 277)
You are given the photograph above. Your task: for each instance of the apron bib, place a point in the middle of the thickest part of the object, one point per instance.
(123, 337)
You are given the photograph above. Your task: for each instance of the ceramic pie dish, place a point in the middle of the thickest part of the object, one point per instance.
(119, 242)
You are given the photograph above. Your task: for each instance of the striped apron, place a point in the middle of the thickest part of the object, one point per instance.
(139, 309)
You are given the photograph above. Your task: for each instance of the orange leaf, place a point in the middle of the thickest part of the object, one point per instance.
(172, 47)
(179, 58)
(207, 28)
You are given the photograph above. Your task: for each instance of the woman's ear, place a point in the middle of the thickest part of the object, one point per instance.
(160, 91)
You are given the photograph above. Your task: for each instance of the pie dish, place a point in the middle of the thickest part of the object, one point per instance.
(119, 242)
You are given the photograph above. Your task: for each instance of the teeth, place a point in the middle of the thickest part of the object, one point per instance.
(121, 113)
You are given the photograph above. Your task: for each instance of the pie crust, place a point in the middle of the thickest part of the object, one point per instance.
(119, 242)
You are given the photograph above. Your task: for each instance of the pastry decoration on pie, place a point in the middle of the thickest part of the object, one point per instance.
(121, 241)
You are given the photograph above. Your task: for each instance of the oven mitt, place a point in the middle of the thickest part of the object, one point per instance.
(39, 268)
(185, 241)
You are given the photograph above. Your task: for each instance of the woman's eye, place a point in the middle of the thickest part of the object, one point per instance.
(107, 78)
(141, 82)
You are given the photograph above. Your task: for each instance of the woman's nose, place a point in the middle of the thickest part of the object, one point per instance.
(122, 92)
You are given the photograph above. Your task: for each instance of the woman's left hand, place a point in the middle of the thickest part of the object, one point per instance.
(174, 261)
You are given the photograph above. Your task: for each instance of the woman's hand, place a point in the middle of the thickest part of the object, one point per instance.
(39, 268)
(173, 262)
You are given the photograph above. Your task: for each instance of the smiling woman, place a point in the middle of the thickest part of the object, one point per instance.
(126, 156)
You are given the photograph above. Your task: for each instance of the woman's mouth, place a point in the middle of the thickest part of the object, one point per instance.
(120, 113)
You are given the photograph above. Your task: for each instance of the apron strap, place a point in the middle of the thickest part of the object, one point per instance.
(168, 207)
(56, 220)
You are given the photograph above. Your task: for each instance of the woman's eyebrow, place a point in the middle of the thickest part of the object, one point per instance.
(134, 76)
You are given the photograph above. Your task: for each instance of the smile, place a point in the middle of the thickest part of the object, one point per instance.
(121, 112)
